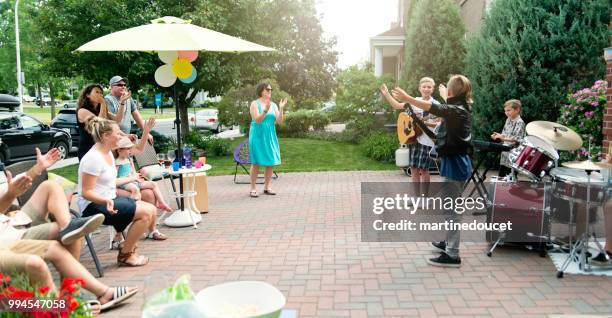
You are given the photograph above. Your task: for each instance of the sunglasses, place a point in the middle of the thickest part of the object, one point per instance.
(120, 85)
(269, 89)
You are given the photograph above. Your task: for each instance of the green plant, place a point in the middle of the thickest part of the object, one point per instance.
(67, 298)
(584, 113)
(380, 146)
(298, 123)
(434, 43)
(536, 51)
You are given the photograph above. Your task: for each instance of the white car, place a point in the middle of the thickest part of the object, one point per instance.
(28, 98)
(206, 119)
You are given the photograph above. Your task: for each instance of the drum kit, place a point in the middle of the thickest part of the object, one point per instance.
(577, 183)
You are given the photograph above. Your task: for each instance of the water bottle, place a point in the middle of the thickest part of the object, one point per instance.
(187, 157)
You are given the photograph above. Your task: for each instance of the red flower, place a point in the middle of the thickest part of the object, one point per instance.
(44, 290)
(20, 293)
(4, 278)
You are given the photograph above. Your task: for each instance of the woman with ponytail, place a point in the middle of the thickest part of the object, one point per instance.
(97, 190)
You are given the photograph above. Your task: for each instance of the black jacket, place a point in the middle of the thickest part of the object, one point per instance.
(454, 135)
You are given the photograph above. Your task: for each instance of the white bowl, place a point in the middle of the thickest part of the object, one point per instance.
(242, 299)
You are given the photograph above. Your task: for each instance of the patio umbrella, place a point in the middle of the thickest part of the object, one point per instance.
(170, 34)
(166, 36)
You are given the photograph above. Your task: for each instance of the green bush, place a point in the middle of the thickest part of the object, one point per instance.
(535, 51)
(297, 124)
(211, 145)
(358, 93)
(584, 113)
(434, 43)
(380, 146)
(362, 125)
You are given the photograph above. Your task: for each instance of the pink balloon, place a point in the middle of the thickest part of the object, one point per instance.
(189, 55)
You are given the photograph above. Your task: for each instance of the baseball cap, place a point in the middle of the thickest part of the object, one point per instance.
(116, 79)
(125, 142)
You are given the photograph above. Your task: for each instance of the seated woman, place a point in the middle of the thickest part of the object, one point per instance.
(27, 250)
(97, 191)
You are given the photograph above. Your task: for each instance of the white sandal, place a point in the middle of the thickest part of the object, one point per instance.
(120, 294)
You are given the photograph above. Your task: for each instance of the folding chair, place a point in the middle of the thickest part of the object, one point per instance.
(24, 166)
(148, 157)
(241, 158)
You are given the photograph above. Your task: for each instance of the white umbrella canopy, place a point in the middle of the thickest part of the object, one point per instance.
(170, 34)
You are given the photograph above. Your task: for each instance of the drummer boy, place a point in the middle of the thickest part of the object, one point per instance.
(512, 134)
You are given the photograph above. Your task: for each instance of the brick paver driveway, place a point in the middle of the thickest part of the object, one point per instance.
(306, 241)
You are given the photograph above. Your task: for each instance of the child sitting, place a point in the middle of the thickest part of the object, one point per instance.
(513, 133)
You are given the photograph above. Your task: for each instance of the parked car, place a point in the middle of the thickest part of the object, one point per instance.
(28, 98)
(66, 120)
(69, 104)
(206, 119)
(21, 134)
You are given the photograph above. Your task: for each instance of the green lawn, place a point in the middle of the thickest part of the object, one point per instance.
(298, 155)
(44, 114)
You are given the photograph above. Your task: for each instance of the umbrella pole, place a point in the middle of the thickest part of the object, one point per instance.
(179, 154)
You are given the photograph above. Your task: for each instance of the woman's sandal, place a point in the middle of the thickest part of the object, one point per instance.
(117, 245)
(254, 194)
(92, 308)
(164, 207)
(120, 294)
(269, 192)
(122, 259)
(157, 236)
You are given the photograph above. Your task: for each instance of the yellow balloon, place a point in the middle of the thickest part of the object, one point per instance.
(182, 68)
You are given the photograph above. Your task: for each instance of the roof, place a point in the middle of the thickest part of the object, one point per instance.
(393, 32)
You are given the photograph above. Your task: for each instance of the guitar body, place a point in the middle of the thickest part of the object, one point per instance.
(407, 130)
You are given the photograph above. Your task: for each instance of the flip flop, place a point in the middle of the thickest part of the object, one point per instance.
(157, 236)
(254, 194)
(269, 192)
(120, 294)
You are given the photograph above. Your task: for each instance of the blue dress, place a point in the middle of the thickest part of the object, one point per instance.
(263, 142)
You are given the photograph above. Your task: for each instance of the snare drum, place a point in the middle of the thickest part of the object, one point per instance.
(571, 185)
(534, 157)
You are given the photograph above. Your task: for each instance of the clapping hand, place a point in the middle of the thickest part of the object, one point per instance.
(125, 96)
(443, 91)
(282, 104)
(384, 90)
(148, 126)
(17, 187)
(400, 94)
(47, 160)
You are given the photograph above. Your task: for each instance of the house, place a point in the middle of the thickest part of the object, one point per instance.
(387, 48)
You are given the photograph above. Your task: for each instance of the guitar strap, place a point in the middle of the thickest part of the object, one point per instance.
(419, 122)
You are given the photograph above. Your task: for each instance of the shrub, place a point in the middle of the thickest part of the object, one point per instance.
(584, 113)
(297, 124)
(358, 93)
(434, 43)
(211, 145)
(380, 146)
(536, 51)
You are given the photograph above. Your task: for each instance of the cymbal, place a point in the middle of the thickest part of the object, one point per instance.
(560, 137)
(587, 165)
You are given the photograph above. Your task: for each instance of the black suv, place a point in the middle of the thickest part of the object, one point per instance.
(21, 134)
(66, 120)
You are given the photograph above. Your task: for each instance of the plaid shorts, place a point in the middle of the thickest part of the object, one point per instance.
(419, 156)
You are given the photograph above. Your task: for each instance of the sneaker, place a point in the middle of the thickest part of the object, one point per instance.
(439, 245)
(445, 261)
(600, 259)
(80, 227)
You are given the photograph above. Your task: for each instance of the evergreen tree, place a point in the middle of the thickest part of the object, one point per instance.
(536, 51)
(434, 47)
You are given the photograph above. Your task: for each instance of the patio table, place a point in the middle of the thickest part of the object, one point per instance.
(186, 215)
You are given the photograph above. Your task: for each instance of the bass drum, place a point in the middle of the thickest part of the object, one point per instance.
(523, 204)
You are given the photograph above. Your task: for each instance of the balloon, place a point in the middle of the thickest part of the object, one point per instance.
(164, 76)
(189, 55)
(182, 68)
(167, 57)
(191, 78)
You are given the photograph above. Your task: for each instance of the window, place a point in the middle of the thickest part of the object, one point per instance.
(9, 123)
(30, 123)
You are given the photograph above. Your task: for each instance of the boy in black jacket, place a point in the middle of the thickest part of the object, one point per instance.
(453, 145)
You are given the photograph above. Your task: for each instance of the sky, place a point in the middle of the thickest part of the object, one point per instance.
(353, 22)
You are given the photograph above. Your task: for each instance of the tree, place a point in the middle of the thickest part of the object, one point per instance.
(434, 43)
(358, 92)
(258, 21)
(536, 51)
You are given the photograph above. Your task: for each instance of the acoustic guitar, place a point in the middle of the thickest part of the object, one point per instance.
(407, 130)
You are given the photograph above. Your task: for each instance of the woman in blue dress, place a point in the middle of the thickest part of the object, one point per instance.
(263, 143)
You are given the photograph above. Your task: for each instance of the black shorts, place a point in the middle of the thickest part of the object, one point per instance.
(126, 209)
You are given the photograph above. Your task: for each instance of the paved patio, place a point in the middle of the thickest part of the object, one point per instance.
(306, 241)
